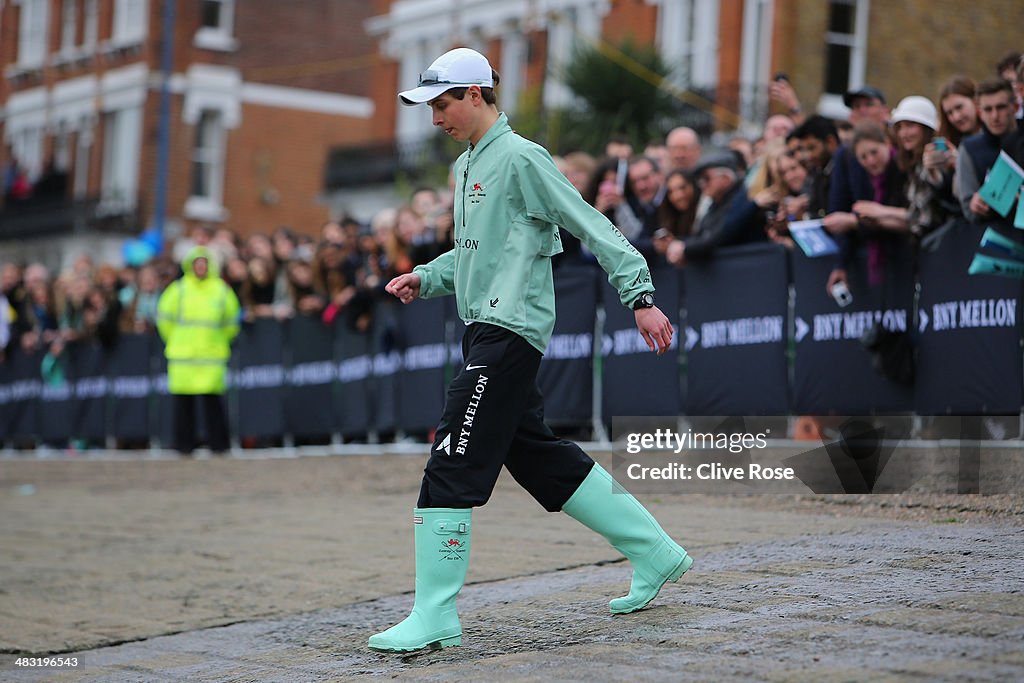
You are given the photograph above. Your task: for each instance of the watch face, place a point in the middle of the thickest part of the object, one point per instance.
(645, 300)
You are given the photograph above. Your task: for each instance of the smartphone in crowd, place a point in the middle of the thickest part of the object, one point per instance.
(841, 293)
(940, 144)
(621, 174)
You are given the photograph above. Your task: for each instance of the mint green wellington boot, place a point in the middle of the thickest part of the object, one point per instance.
(442, 556)
(631, 530)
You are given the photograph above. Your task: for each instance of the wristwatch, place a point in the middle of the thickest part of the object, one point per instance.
(645, 300)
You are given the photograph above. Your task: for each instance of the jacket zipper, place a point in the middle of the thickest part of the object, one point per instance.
(465, 182)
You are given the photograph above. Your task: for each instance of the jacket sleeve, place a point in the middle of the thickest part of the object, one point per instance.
(231, 314)
(167, 310)
(966, 183)
(840, 198)
(437, 278)
(550, 197)
(741, 217)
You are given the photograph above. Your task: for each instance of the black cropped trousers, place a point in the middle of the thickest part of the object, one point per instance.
(494, 416)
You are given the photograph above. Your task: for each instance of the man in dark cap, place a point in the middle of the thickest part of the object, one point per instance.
(732, 217)
(866, 102)
(850, 182)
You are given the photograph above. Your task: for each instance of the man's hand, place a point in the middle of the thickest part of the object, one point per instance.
(654, 328)
(676, 253)
(839, 222)
(837, 275)
(406, 287)
(868, 210)
(979, 206)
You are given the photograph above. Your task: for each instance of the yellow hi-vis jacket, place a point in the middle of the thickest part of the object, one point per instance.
(197, 319)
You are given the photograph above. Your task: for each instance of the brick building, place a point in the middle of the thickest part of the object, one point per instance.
(728, 49)
(904, 48)
(285, 113)
(257, 92)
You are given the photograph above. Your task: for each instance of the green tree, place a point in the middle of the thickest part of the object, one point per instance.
(620, 91)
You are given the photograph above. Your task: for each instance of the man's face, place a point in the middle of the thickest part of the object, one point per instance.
(868, 109)
(10, 275)
(683, 149)
(777, 126)
(455, 117)
(646, 181)
(201, 268)
(715, 183)
(814, 153)
(618, 150)
(996, 112)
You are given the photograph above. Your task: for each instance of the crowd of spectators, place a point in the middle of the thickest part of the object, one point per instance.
(337, 275)
(881, 177)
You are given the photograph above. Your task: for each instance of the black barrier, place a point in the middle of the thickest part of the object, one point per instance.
(309, 378)
(969, 357)
(735, 334)
(833, 371)
(420, 338)
(387, 362)
(25, 390)
(258, 378)
(352, 394)
(304, 379)
(88, 363)
(566, 375)
(7, 403)
(130, 364)
(58, 407)
(636, 381)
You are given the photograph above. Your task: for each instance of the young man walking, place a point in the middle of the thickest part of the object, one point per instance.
(510, 201)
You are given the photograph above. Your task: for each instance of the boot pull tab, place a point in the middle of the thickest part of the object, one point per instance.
(444, 527)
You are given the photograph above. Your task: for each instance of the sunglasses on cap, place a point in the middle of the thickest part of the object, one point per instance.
(431, 77)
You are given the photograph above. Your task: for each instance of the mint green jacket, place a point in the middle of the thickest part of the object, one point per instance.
(510, 199)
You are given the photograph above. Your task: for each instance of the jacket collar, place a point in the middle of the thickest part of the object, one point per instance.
(497, 129)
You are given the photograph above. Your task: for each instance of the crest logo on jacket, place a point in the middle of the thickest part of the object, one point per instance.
(476, 193)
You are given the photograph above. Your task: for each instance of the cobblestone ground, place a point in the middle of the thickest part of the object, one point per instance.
(278, 570)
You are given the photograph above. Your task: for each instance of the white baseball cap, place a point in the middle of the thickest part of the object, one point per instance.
(917, 109)
(458, 68)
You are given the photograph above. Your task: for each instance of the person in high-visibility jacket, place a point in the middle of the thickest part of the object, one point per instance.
(197, 317)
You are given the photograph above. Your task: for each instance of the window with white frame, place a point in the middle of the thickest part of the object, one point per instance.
(845, 43)
(131, 21)
(32, 33)
(208, 159)
(122, 135)
(27, 148)
(756, 59)
(91, 27)
(68, 25)
(688, 40)
(216, 25)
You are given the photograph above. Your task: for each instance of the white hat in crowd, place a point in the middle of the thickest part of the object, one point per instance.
(917, 109)
(458, 68)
